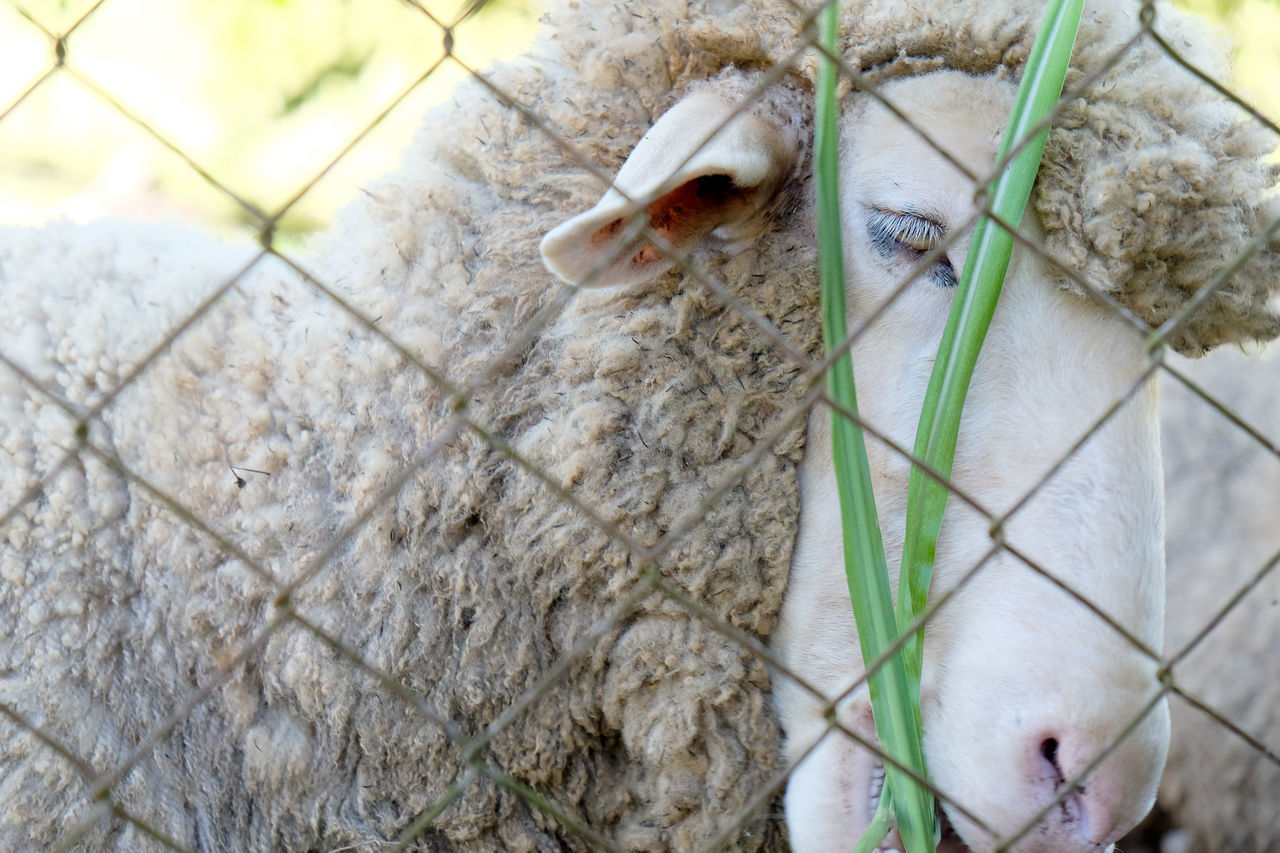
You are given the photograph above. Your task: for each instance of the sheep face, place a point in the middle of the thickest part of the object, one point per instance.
(1024, 686)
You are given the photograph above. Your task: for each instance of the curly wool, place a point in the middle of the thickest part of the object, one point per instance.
(466, 587)
(475, 579)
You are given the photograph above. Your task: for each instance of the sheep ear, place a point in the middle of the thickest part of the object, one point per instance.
(689, 177)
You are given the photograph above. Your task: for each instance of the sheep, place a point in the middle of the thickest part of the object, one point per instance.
(374, 509)
(1222, 487)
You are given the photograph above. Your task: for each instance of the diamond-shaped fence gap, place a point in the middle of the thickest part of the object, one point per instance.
(41, 772)
(259, 125)
(432, 506)
(363, 154)
(60, 269)
(1222, 670)
(41, 435)
(1208, 743)
(50, 172)
(1220, 485)
(549, 707)
(544, 811)
(347, 707)
(410, 72)
(387, 683)
(490, 325)
(777, 444)
(1018, 524)
(1033, 557)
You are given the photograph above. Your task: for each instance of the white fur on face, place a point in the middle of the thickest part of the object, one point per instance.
(1023, 684)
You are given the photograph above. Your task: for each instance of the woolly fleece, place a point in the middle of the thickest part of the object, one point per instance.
(474, 579)
(1224, 498)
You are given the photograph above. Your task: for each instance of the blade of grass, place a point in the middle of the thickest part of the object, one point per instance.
(865, 565)
(975, 303)
(879, 827)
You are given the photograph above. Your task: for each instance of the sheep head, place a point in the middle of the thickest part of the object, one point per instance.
(1148, 190)
(1026, 687)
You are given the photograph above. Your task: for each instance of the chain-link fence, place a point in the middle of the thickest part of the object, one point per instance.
(276, 578)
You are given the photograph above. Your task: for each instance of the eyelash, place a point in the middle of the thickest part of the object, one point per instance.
(893, 232)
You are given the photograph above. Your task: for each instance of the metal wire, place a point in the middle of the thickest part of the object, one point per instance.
(476, 766)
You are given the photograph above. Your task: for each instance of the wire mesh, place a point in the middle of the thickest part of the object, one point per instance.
(274, 602)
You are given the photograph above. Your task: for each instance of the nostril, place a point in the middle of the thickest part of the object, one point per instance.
(1049, 750)
(1053, 778)
(1083, 815)
(1084, 785)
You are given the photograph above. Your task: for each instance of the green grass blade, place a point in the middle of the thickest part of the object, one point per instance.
(865, 565)
(879, 827)
(980, 286)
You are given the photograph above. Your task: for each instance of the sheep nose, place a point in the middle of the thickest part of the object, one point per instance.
(1089, 817)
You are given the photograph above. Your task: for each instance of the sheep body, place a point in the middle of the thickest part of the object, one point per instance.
(1222, 487)
(473, 580)
(294, 751)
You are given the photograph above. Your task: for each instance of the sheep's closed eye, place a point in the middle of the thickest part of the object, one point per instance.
(908, 236)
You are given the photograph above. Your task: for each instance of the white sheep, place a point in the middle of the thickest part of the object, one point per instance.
(1222, 486)
(143, 580)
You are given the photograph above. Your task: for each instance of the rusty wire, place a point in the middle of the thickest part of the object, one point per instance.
(101, 802)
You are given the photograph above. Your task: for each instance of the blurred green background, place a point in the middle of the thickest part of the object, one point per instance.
(263, 94)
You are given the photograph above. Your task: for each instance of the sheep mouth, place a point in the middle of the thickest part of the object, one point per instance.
(892, 843)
